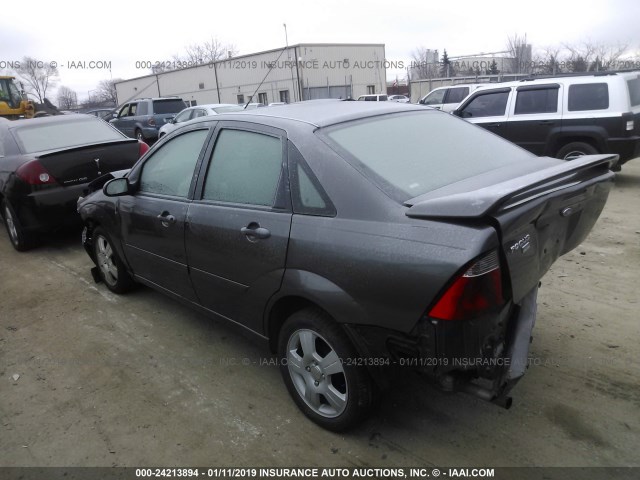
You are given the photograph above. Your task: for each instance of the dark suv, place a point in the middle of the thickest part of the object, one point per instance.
(143, 117)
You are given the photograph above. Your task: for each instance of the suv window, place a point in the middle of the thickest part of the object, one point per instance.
(456, 95)
(543, 100)
(133, 108)
(589, 96)
(487, 105)
(143, 109)
(435, 98)
(634, 91)
(168, 106)
(245, 168)
(170, 169)
(124, 111)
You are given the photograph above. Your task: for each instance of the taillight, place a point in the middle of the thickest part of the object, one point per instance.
(476, 291)
(152, 122)
(35, 174)
(628, 121)
(142, 148)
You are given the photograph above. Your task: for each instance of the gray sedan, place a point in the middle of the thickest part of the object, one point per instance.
(305, 227)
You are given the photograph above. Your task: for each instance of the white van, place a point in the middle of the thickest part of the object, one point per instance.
(373, 97)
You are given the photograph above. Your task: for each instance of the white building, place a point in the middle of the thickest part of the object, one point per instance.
(299, 72)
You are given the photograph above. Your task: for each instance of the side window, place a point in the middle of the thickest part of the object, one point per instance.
(142, 109)
(537, 101)
(456, 95)
(634, 91)
(170, 169)
(588, 96)
(245, 168)
(487, 105)
(199, 113)
(133, 109)
(183, 117)
(435, 98)
(124, 111)
(309, 196)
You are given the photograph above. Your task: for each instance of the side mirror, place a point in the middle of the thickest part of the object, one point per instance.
(461, 113)
(116, 187)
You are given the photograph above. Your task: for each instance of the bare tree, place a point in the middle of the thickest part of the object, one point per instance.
(520, 53)
(581, 56)
(608, 57)
(67, 98)
(425, 63)
(209, 51)
(107, 91)
(38, 76)
(549, 62)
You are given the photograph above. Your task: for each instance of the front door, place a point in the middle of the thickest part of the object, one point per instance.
(153, 220)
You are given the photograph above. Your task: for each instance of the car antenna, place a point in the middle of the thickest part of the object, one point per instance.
(273, 64)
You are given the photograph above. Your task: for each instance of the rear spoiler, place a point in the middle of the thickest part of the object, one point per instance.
(454, 202)
(47, 153)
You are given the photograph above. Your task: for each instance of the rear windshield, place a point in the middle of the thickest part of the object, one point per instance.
(634, 91)
(168, 106)
(53, 136)
(435, 150)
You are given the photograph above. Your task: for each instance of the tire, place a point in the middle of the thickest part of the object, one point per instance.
(112, 270)
(576, 149)
(139, 135)
(334, 394)
(20, 239)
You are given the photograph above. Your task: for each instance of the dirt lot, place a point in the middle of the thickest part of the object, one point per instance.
(140, 380)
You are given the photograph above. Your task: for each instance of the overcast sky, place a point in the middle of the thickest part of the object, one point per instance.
(123, 32)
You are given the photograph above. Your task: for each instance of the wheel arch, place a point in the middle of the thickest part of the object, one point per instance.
(302, 289)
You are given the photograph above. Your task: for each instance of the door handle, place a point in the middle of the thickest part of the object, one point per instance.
(546, 122)
(254, 231)
(495, 125)
(166, 219)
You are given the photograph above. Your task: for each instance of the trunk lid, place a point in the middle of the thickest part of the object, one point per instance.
(73, 166)
(539, 214)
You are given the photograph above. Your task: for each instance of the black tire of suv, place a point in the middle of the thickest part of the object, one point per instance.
(360, 390)
(20, 239)
(139, 135)
(576, 149)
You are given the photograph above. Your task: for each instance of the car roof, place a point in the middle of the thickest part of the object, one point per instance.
(319, 113)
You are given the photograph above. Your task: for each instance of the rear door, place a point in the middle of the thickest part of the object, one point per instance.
(239, 223)
(153, 220)
(535, 116)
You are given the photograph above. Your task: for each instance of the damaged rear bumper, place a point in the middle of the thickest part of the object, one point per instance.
(484, 357)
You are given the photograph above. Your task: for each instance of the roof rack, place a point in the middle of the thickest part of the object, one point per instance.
(603, 73)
